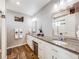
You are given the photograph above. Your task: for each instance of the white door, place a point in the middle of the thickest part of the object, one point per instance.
(4, 40)
(0, 36)
(3, 32)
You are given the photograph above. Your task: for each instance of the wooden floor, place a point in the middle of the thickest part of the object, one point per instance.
(22, 52)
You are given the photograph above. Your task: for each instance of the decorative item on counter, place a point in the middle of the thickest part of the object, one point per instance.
(40, 33)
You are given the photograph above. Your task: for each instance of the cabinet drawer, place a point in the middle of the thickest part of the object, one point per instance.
(41, 44)
(52, 47)
(67, 54)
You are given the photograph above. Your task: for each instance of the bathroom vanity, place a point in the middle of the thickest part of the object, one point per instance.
(54, 49)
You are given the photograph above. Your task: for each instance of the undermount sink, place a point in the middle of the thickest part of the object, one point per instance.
(60, 42)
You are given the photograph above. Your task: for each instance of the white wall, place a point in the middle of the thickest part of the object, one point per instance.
(12, 25)
(44, 18)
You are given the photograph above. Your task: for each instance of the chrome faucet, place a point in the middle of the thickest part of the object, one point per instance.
(61, 37)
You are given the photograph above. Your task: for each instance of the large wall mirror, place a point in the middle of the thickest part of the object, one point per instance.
(67, 22)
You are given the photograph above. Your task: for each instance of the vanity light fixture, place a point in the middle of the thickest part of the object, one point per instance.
(55, 6)
(69, 1)
(34, 19)
(62, 2)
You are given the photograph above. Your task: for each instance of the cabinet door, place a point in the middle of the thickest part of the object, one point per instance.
(64, 54)
(29, 41)
(53, 56)
(41, 53)
(54, 53)
(41, 49)
(50, 52)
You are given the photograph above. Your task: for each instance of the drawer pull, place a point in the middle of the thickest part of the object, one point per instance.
(55, 58)
(52, 57)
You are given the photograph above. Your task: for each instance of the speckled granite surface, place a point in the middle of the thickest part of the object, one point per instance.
(71, 45)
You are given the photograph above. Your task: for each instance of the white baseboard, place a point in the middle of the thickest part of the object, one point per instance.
(16, 46)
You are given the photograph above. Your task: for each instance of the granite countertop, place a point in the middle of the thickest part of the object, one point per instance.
(71, 45)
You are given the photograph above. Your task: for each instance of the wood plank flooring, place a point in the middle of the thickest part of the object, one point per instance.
(22, 52)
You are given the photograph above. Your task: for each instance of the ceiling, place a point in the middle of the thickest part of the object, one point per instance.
(29, 7)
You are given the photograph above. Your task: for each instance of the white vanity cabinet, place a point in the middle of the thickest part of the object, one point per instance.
(41, 53)
(30, 41)
(41, 49)
(64, 54)
(41, 46)
(50, 51)
(55, 52)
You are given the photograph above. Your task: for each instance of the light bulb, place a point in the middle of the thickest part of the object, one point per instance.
(18, 3)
